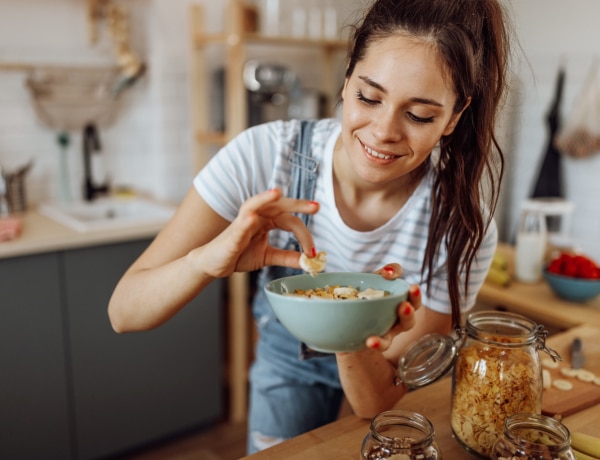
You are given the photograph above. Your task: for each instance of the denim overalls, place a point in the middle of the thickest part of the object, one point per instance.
(289, 393)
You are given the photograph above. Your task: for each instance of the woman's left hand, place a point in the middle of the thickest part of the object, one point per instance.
(406, 310)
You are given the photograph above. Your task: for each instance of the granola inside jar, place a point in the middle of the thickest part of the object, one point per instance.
(497, 374)
(533, 437)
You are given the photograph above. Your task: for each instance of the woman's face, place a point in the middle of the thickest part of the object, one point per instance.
(396, 106)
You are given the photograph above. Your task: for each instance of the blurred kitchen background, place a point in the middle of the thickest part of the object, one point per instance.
(150, 144)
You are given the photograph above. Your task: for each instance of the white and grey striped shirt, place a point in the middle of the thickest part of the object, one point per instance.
(258, 160)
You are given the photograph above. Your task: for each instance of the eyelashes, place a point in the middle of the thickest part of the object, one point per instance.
(371, 103)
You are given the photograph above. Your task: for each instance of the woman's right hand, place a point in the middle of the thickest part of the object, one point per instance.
(243, 246)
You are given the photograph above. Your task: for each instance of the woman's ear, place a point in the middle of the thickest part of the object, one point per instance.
(454, 119)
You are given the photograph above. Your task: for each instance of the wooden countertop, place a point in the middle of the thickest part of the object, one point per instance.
(342, 439)
(42, 234)
(538, 302)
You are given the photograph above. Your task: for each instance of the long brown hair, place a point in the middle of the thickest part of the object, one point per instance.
(471, 36)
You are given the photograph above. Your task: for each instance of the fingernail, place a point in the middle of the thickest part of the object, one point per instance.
(407, 310)
(389, 269)
(314, 202)
(313, 251)
(416, 291)
(375, 343)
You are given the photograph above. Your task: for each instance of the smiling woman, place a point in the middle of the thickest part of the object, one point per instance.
(422, 75)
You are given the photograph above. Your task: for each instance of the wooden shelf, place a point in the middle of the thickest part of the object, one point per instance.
(202, 39)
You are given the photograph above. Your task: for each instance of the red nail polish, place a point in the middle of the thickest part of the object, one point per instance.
(314, 202)
(407, 310)
(416, 291)
(313, 251)
(390, 270)
(375, 344)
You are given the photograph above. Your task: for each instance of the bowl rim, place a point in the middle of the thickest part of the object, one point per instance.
(326, 300)
(571, 278)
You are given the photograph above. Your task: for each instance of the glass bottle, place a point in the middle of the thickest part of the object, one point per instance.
(531, 243)
(400, 434)
(533, 437)
(497, 374)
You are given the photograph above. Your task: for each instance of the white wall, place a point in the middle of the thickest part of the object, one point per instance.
(551, 33)
(150, 147)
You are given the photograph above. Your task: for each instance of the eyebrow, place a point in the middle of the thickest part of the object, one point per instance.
(419, 100)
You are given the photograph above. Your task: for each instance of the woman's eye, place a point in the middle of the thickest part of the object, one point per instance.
(361, 97)
(417, 119)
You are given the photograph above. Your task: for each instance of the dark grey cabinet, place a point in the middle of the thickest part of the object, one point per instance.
(34, 407)
(106, 392)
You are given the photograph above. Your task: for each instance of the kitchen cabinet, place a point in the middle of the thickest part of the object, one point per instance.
(75, 388)
(238, 43)
(34, 402)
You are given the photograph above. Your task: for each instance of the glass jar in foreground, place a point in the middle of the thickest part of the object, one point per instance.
(533, 437)
(400, 434)
(497, 374)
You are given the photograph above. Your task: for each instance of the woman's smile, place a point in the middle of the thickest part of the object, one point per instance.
(377, 154)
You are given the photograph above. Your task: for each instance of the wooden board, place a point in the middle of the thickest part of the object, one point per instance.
(583, 394)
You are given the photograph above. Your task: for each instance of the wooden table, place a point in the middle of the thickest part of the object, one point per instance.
(537, 301)
(342, 439)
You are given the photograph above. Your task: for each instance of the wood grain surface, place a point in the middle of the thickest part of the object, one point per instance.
(583, 394)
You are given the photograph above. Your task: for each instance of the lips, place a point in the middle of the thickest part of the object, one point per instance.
(376, 154)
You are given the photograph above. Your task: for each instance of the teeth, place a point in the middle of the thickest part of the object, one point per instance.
(377, 154)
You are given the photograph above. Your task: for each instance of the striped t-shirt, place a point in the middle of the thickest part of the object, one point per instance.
(258, 160)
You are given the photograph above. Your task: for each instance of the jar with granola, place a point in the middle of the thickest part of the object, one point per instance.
(497, 374)
(533, 437)
(399, 434)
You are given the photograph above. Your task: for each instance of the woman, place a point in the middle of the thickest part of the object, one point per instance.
(423, 76)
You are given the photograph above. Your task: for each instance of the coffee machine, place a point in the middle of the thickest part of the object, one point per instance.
(270, 89)
(273, 92)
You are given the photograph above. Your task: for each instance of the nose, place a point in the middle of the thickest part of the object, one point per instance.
(387, 127)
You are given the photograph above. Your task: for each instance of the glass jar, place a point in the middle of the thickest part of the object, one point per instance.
(533, 437)
(497, 374)
(400, 434)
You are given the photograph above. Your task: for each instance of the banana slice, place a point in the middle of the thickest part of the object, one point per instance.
(546, 379)
(313, 265)
(562, 384)
(549, 363)
(585, 376)
(569, 372)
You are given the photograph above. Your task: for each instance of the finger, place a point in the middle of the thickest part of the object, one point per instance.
(290, 205)
(414, 296)
(282, 257)
(406, 313)
(390, 271)
(378, 343)
(407, 320)
(295, 225)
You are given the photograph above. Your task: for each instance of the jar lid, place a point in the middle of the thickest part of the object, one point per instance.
(427, 360)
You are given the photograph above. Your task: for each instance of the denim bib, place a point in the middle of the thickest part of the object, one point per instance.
(274, 340)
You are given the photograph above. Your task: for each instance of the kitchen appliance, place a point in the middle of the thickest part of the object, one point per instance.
(270, 87)
(273, 92)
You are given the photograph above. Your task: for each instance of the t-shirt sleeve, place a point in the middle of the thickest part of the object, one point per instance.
(239, 170)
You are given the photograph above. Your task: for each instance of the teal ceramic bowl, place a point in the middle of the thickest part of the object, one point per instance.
(333, 325)
(572, 289)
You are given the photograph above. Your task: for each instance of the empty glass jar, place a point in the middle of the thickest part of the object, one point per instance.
(400, 434)
(533, 437)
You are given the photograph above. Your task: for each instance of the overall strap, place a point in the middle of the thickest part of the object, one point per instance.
(303, 177)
